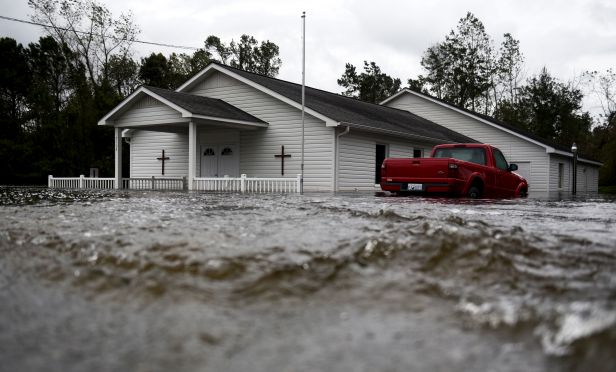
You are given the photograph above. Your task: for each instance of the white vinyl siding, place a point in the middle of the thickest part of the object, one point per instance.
(357, 157)
(148, 111)
(258, 147)
(356, 163)
(589, 178)
(146, 146)
(395, 151)
(524, 169)
(587, 175)
(514, 148)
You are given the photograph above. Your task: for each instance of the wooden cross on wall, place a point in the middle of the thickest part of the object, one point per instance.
(163, 158)
(282, 155)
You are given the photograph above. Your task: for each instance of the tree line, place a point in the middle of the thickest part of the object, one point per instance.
(54, 91)
(468, 70)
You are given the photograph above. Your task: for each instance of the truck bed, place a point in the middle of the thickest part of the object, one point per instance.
(421, 175)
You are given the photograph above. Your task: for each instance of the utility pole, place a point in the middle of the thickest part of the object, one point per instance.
(301, 185)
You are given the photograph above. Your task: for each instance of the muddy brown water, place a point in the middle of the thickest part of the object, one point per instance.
(160, 281)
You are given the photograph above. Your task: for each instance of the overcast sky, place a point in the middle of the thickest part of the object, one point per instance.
(568, 37)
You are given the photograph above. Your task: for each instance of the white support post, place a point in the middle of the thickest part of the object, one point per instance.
(243, 183)
(49, 180)
(118, 158)
(81, 181)
(192, 153)
(299, 185)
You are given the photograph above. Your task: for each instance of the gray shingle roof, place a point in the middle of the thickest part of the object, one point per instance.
(355, 112)
(205, 106)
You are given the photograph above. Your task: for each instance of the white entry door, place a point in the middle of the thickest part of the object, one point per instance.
(219, 161)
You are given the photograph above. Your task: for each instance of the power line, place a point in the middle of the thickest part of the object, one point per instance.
(89, 33)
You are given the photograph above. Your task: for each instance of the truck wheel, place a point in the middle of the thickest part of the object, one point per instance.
(474, 192)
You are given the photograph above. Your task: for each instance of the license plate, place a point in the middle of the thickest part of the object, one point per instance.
(414, 187)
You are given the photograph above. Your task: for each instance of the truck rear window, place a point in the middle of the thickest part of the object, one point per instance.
(471, 154)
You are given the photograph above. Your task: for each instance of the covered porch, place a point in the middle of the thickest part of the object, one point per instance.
(182, 141)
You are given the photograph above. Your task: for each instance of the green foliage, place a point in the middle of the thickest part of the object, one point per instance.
(169, 73)
(58, 111)
(372, 85)
(122, 74)
(183, 66)
(14, 87)
(53, 93)
(509, 69)
(246, 54)
(106, 35)
(461, 68)
(69, 80)
(466, 70)
(604, 140)
(607, 190)
(160, 71)
(417, 85)
(155, 70)
(550, 109)
(603, 86)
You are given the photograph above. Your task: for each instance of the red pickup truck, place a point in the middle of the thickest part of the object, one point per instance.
(473, 170)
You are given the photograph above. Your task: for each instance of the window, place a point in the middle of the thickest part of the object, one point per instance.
(226, 151)
(500, 161)
(417, 153)
(209, 152)
(471, 154)
(561, 175)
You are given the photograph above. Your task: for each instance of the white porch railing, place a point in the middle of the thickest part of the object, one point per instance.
(80, 182)
(248, 184)
(152, 183)
(242, 184)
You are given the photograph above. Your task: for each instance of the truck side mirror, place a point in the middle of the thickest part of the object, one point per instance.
(513, 167)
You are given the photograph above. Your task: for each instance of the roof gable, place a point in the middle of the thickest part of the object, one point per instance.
(205, 106)
(214, 66)
(187, 105)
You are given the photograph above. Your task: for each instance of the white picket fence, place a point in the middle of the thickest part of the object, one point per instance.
(152, 183)
(248, 184)
(80, 182)
(241, 184)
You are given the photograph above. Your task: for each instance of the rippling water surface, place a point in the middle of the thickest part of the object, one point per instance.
(159, 281)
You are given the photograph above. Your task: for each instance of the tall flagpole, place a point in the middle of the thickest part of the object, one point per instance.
(301, 185)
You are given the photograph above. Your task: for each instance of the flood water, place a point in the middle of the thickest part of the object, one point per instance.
(177, 281)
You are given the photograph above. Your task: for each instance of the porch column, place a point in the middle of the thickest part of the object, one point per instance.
(192, 153)
(118, 157)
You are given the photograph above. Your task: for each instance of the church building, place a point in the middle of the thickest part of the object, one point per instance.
(226, 122)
